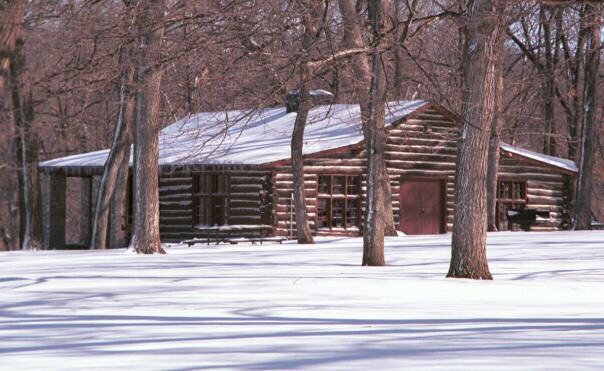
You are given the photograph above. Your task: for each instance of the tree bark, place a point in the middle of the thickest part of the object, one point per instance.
(11, 17)
(30, 192)
(303, 232)
(119, 209)
(590, 105)
(494, 147)
(150, 21)
(549, 143)
(479, 68)
(362, 71)
(377, 173)
(119, 149)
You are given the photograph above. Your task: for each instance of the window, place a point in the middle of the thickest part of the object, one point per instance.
(211, 199)
(338, 203)
(511, 194)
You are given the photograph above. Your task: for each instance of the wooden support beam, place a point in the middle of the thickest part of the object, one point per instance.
(57, 207)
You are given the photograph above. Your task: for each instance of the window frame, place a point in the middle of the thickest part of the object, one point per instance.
(510, 203)
(344, 197)
(211, 197)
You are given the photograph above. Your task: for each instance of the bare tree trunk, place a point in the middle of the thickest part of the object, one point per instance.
(590, 107)
(494, 147)
(549, 144)
(119, 149)
(377, 173)
(118, 204)
(311, 20)
(30, 192)
(353, 38)
(150, 21)
(479, 65)
(11, 17)
(302, 229)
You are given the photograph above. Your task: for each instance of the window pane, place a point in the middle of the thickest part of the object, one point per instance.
(324, 186)
(203, 211)
(322, 213)
(353, 185)
(338, 185)
(337, 213)
(218, 211)
(518, 190)
(351, 213)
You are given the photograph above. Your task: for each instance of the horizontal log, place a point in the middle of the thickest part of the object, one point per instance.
(176, 197)
(420, 165)
(173, 204)
(239, 203)
(431, 157)
(251, 219)
(180, 212)
(246, 188)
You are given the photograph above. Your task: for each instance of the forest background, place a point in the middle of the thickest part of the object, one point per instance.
(222, 55)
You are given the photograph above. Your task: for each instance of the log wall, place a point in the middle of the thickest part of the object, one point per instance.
(249, 190)
(424, 146)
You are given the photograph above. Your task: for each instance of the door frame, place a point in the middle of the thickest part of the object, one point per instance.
(442, 182)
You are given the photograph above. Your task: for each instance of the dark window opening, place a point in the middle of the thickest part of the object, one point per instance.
(511, 194)
(211, 199)
(338, 203)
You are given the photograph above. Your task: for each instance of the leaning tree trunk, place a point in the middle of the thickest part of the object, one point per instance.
(30, 192)
(145, 237)
(479, 65)
(493, 157)
(311, 20)
(119, 210)
(590, 106)
(302, 229)
(119, 149)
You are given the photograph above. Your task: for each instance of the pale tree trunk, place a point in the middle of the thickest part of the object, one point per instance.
(30, 192)
(119, 209)
(353, 38)
(494, 147)
(119, 149)
(479, 68)
(150, 21)
(590, 111)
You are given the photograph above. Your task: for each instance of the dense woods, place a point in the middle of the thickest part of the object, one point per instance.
(82, 76)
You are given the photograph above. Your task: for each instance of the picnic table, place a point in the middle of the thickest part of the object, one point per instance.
(233, 234)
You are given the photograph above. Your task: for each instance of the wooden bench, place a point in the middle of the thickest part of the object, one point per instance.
(233, 234)
(526, 217)
(235, 240)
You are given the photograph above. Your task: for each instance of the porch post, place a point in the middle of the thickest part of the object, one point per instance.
(56, 233)
(86, 216)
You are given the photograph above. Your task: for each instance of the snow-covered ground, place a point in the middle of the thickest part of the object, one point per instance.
(307, 307)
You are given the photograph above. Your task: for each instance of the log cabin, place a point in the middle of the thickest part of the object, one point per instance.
(234, 168)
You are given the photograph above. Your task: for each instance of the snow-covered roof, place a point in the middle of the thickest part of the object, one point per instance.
(256, 137)
(550, 160)
(253, 136)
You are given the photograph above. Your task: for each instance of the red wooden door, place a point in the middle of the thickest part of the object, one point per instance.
(421, 206)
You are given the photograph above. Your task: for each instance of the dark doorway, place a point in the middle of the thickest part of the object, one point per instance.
(422, 206)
